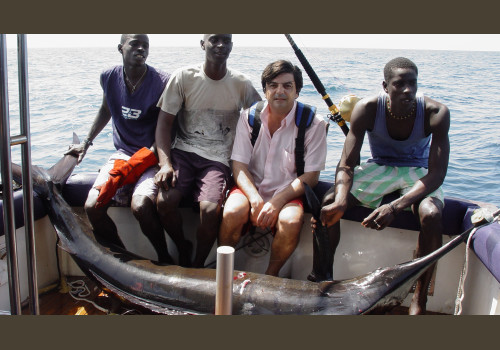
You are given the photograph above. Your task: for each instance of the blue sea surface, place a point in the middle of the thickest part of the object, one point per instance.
(65, 96)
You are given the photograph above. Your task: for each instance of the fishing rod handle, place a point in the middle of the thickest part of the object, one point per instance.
(337, 118)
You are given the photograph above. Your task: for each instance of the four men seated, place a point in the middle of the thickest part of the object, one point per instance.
(279, 145)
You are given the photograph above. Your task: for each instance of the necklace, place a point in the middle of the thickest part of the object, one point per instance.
(138, 81)
(403, 117)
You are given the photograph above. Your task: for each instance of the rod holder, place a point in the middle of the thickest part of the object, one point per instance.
(224, 281)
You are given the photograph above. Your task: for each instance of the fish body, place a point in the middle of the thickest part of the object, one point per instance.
(163, 288)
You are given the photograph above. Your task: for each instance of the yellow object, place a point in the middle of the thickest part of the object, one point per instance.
(81, 311)
(346, 106)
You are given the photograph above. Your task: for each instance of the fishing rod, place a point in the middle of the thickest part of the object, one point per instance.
(335, 113)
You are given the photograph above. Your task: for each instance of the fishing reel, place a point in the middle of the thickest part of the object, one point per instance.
(337, 118)
(342, 114)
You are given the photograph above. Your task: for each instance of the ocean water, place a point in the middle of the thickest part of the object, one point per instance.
(65, 96)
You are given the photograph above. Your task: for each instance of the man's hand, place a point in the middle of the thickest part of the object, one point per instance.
(165, 177)
(331, 214)
(268, 216)
(380, 218)
(255, 208)
(78, 151)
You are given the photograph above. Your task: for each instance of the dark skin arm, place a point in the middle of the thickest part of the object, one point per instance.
(362, 119)
(165, 176)
(438, 123)
(101, 120)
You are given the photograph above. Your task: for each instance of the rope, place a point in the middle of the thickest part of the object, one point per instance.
(463, 275)
(80, 291)
(254, 240)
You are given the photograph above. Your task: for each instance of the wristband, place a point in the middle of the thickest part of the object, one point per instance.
(87, 142)
(393, 210)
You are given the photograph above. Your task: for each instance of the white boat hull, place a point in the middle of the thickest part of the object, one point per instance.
(360, 251)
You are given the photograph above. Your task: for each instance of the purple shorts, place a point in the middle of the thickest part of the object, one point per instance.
(201, 178)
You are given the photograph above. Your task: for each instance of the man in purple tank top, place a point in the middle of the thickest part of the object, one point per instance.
(399, 124)
(130, 95)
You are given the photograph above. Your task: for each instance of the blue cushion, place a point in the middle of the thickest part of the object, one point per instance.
(486, 244)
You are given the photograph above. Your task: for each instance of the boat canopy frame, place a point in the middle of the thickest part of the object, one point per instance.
(6, 142)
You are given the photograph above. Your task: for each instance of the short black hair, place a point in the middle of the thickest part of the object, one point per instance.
(279, 67)
(398, 62)
(124, 38)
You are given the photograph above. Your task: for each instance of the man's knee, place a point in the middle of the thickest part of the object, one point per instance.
(236, 209)
(291, 218)
(209, 211)
(168, 200)
(142, 206)
(90, 205)
(430, 212)
(288, 230)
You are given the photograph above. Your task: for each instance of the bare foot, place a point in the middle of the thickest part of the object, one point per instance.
(417, 306)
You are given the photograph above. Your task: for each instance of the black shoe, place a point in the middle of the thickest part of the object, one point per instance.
(317, 277)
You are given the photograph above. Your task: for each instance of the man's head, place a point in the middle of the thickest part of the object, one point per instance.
(281, 82)
(398, 62)
(400, 82)
(134, 49)
(217, 47)
(279, 67)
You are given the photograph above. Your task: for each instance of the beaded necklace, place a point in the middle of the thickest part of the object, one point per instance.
(403, 117)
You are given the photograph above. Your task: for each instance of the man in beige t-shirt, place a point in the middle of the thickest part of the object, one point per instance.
(207, 100)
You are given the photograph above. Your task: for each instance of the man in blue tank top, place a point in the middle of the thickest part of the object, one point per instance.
(131, 92)
(399, 123)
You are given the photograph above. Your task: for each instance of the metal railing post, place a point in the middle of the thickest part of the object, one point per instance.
(29, 223)
(8, 202)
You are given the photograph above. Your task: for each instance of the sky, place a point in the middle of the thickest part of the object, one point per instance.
(466, 42)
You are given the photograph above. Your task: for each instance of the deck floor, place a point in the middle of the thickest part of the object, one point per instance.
(87, 299)
(93, 301)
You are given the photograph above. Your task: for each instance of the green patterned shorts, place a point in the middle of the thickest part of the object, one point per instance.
(372, 182)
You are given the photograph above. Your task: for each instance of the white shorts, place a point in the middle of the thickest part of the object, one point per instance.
(372, 182)
(145, 186)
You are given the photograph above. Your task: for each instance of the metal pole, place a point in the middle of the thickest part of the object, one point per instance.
(29, 222)
(8, 201)
(224, 280)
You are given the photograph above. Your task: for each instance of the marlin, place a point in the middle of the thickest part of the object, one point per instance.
(165, 288)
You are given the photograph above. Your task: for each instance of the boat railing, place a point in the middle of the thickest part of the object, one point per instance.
(6, 142)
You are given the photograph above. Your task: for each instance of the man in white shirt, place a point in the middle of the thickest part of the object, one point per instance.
(268, 191)
(205, 101)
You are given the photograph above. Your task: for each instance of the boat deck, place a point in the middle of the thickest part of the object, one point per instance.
(83, 297)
